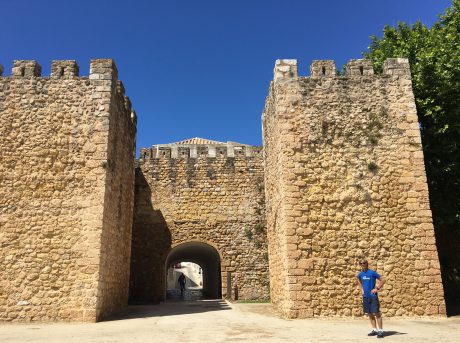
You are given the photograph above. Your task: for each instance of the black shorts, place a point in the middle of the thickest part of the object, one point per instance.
(371, 305)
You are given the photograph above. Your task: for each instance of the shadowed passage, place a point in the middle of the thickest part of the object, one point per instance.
(197, 266)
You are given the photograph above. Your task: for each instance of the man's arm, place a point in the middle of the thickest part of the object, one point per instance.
(379, 284)
(360, 285)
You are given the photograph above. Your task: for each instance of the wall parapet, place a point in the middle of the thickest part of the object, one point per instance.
(100, 69)
(103, 74)
(287, 68)
(197, 151)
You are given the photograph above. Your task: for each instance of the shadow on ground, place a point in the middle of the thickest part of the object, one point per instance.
(190, 294)
(392, 333)
(453, 307)
(192, 301)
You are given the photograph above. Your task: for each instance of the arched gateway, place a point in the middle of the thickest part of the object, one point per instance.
(189, 194)
(207, 257)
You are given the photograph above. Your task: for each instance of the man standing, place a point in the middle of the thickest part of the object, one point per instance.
(367, 282)
(181, 281)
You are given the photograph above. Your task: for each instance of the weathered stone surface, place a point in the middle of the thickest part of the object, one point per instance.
(341, 177)
(344, 178)
(215, 199)
(66, 195)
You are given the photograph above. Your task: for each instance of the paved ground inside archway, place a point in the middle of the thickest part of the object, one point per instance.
(218, 321)
(190, 294)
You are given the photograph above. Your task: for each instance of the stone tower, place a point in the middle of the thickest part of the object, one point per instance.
(345, 178)
(66, 197)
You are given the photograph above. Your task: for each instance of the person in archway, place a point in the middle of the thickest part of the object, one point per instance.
(370, 283)
(181, 281)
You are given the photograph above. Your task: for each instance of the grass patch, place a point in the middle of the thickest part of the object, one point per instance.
(253, 301)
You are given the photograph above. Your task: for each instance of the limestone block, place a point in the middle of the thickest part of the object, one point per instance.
(285, 69)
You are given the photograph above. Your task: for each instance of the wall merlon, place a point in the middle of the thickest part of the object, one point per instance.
(146, 154)
(285, 69)
(134, 118)
(322, 68)
(221, 151)
(163, 152)
(359, 67)
(202, 151)
(120, 87)
(103, 69)
(396, 66)
(26, 68)
(128, 104)
(64, 69)
(183, 152)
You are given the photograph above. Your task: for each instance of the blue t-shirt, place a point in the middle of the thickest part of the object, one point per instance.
(367, 279)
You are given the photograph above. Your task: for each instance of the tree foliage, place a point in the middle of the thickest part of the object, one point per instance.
(434, 56)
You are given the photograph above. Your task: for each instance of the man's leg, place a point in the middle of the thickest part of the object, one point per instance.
(367, 310)
(374, 331)
(375, 310)
(372, 320)
(378, 317)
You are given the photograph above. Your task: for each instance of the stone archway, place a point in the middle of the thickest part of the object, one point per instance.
(209, 260)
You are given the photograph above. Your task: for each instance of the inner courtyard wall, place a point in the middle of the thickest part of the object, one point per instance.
(345, 180)
(215, 197)
(55, 134)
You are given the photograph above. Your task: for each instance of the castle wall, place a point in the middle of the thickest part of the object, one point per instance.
(345, 179)
(117, 219)
(54, 134)
(276, 207)
(211, 197)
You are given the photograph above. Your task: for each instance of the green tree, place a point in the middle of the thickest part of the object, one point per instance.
(434, 56)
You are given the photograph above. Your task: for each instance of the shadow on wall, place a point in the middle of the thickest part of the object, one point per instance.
(449, 258)
(151, 238)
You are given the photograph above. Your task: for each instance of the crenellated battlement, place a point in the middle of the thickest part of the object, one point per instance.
(287, 69)
(100, 69)
(199, 151)
(103, 75)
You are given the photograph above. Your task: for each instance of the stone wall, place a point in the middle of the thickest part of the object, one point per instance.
(345, 179)
(207, 194)
(66, 142)
(117, 219)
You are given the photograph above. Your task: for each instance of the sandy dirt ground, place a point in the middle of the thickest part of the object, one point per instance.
(219, 321)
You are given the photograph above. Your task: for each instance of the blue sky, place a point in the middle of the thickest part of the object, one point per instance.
(198, 68)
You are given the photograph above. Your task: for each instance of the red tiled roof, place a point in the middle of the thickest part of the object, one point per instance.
(197, 140)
